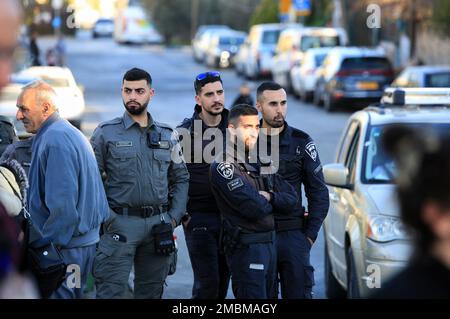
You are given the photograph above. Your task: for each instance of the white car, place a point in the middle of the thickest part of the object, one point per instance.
(8, 101)
(303, 74)
(71, 98)
(200, 41)
(292, 44)
(223, 47)
(424, 76)
(365, 240)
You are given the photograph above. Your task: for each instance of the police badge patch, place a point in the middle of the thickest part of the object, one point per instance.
(310, 148)
(226, 170)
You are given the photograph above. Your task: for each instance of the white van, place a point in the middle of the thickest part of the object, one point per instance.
(259, 46)
(295, 41)
(132, 26)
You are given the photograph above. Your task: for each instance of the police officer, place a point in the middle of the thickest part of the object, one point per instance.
(21, 152)
(246, 203)
(202, 225)
(146, 183)
(299, 164)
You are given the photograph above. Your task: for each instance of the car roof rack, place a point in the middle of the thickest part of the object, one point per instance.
(416, 96)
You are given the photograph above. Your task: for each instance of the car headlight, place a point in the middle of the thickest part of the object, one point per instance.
(384, 229)
(225, 55)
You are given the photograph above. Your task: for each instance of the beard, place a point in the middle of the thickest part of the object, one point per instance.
(137, 109)
(214, 112)
(276, 122)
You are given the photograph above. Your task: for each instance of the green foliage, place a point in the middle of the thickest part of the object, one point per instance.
(441, 16)
(266, 12)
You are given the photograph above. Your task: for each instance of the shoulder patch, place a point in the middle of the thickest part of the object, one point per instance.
(226, 170)
(311, 150)
(114, 121)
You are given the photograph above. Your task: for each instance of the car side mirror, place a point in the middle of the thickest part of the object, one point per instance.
(337, 175)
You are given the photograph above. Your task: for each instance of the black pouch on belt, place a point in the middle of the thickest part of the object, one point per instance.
(163, 236)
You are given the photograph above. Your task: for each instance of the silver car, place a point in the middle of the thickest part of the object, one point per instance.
(365, 241)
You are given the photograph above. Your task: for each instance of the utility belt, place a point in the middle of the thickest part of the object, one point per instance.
(293, 224)
(233, 237)
(143, 212)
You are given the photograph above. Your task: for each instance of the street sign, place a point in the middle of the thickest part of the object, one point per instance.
(302, 7)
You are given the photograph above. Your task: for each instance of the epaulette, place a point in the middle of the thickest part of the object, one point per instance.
(114, 121)
(163, 125)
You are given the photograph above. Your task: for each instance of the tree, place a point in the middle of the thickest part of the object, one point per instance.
(266, 12)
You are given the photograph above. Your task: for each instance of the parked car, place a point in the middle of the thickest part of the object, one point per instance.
(352, 74)
(365, 240)
(294, 42)
(424, 76)
(199, 45)
(241, 57)
(132, 26)
(261, 42)
(223, 47)
(103, 28)
(8, 101)
(304, 75)
(70, 95)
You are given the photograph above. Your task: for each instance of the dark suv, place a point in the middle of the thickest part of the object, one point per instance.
(353, 75)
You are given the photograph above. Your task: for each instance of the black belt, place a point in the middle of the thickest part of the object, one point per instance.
(144, 211)
(257, 238)
(285, 225)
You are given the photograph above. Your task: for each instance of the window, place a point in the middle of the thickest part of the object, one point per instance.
(440, 80)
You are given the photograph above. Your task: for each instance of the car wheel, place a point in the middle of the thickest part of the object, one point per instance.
(333, 289)
(352, 277)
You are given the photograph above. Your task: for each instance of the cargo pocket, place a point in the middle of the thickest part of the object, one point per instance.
(161, 164)
(107, 249)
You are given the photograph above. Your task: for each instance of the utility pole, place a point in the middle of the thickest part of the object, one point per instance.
(194, 16)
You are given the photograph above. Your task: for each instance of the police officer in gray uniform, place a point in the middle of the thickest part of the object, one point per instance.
(19, 151)
(146, 183)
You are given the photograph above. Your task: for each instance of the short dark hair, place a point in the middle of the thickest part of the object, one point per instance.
(206, 77)
(240, 110)
(267, 86)
(136, 74)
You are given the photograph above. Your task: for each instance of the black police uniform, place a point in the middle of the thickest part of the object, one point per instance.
(211, 274)
(299, 164)
(248, 223)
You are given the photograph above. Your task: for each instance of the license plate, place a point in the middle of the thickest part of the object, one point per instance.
(367, 85)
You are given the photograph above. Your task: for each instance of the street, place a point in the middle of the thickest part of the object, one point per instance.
(99, 65)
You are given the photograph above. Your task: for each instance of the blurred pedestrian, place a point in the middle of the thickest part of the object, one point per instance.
(423, 192)
(66, 200)
(35, 52)
(244, 96)
(60, 50)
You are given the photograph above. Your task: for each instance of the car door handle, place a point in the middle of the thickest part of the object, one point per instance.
(334, 197)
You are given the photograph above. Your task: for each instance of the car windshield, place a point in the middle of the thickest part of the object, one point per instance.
(378, 167)
(365, 63)
(270, 37)
(225, 41)
(440, 80)
(309, 42)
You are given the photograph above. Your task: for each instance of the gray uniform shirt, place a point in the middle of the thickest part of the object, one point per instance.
(141, 166)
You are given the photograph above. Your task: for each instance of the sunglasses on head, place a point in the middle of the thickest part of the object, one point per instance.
(212, 74)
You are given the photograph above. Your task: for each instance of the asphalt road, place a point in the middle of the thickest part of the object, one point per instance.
(98, 65)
